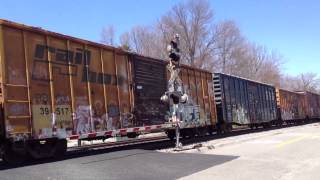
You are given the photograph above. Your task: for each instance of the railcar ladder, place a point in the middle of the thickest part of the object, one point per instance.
(217, 89)
(20, 101)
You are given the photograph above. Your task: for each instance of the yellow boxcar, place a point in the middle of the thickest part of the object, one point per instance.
(55, 87)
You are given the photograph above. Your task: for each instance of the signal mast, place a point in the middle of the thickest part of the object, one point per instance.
(174, 94)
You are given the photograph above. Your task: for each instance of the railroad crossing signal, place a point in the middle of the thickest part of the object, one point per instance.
(173, 49)
(175, 95)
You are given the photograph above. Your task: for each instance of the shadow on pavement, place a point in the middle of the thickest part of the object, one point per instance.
(126, 164)
(87, 153)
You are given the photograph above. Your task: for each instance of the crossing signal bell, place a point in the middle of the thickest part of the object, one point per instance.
(173, 50)
(174, 95)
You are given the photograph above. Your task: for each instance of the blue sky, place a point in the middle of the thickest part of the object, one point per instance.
(291, 27)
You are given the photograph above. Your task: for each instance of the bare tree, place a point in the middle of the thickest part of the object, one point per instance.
(193, 20)
(235, 55)
(302, 82)
(217, 47)
(309, 81)
(107, 35)
(265, 65)
(146, 40)
(125, 41)
(228, 46)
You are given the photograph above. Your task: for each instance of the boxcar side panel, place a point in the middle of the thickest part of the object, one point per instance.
(205, 98)
(61, 86)
(111, 90)
(57, 87)
(199, 87)
(16, 101)
(291, 105)
(313, 106)
(82, 111)
(193, 87)
(211, 99)
(150, 84)
(126, 117)
(243, 101)
(2, 77)
(97, 90)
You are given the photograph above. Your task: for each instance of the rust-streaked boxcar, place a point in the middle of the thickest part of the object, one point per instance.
(243, 102)
(198, 85)
(58, 86)
(312, 102)
(150, 82)
(55, 87)
(292, 105)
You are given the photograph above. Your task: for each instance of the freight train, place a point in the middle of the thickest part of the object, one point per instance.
(56, 88)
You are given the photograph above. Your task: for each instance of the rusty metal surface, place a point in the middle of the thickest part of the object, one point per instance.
(55, 85)
(58, 87)
(292, 105)
(150, 82)
(241, 101)
(312, 102)
(200, 106)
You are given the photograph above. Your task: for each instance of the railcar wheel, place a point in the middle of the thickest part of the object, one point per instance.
(280, 123)
(10, 156)
(39, 149)
(266, 125)
(132, 135)
(184, 136)
(191, 133)
(202, 132)
(210, 131)
(228, 128)
(171, 135)
(60, 148)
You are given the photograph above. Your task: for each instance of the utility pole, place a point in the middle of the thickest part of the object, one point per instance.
(174, 94)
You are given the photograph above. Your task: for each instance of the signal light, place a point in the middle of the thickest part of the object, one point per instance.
(174, 51)
(175, 97)
(164, 98)
(184, 98)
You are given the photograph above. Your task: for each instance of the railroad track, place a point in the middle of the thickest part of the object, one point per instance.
(160, 139)
(162, 142)
(117, 144)
(147, 143)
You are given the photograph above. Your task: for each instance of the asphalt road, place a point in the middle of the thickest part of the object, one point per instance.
(289, 153)
(128, 164)
(283, 154)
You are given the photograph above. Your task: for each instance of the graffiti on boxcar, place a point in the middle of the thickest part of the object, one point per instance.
(98, 115)
(62, 99)
(126, 119)
(41, 98)
(61, 61)
(190, 115)
(191, 112)
(16, 75)
(240, 115)
(286, 115)
(99, 120)
(18, 109)
(63, 119)
(63, 116)
(114, 120)
(82, 119)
